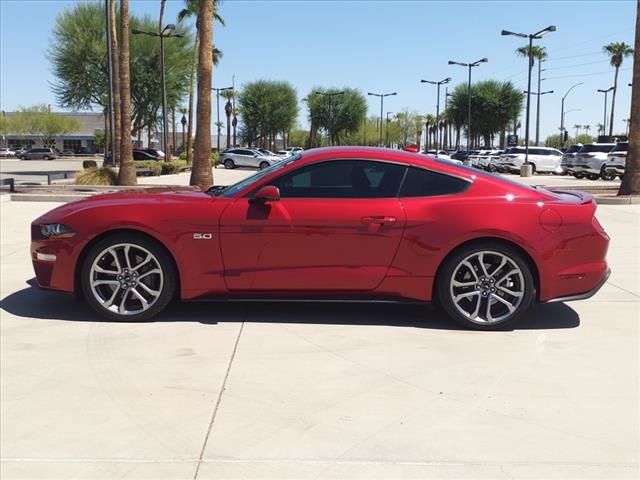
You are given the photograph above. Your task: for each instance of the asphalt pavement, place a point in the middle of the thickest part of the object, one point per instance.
(297, 391)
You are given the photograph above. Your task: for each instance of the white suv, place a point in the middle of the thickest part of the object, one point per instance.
(543, 159)
(590, 160)
(615, 162)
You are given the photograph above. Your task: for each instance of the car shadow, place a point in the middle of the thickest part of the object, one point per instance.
(33, 302)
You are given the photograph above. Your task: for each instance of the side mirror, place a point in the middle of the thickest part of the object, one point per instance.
(268, 193)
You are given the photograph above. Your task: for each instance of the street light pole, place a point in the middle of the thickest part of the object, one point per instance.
(111, 99)
(218, 90)
(538, 35)
(606, 92)
(441, 82)
(330, 120)
(381, 95)
(562, 114)
(469, 66)
(387, 139)
(166, 32)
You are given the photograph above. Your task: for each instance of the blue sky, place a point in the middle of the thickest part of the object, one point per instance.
(377, 46)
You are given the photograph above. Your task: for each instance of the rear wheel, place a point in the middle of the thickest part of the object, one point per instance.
(593, 176)
(128, 277)
(263, 165)
(46, 157)
(228, 164)
(485, 286)
(607, 175)
(578, 175)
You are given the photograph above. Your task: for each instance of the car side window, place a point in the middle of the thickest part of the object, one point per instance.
(425, 183)
(342, 179)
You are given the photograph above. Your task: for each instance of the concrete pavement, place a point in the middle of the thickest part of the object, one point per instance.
(290, 391)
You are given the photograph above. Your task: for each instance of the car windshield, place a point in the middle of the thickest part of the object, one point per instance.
(621, 147)
(231, 190)
(574, 148)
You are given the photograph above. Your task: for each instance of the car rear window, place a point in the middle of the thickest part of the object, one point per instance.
(621, 147)
(425, 183)
(573, 148)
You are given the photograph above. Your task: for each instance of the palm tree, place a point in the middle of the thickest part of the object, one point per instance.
(617, 51)
(631, 180)
(127, 173)
(201, 173)
(229, 95)
(586, 129)
(115, 156)
(577, 127)
(600, 128)
(191, 10)
(540, 54)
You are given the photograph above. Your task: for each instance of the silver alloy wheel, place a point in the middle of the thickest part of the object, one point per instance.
(126, 279)
(487, 287)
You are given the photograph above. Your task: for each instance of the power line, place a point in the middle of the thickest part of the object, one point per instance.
(588, 74)
(607, 35)
(573, 66)
(591, 54)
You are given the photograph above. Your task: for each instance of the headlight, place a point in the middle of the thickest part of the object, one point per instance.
(56, 230)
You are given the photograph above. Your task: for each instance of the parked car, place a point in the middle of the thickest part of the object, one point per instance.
(7, 152)
(67, 153)
(484, 160)
(266, 152)
(144, 155)
(246, 157)
(568, 158)
(154, 152)
(590, 160)
(39, 154)
(20, 150)
(295, 230)
(294, 150)
(543, 159)
(492, 161)
(84, 151)
(616, 161)
(283, 153)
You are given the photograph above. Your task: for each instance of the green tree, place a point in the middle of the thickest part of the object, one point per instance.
(39, 120)
(494, 106)
(268, 108)
(631, 180)
(617, 52)
(346, 115)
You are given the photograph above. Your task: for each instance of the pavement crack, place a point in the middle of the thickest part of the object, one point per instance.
(219, 400)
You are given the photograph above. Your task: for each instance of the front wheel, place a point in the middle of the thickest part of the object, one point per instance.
(485, 286)
(607, 174)
(578, 175)
(228, 164)
(593, 176)
(128, 277)
(46, 157)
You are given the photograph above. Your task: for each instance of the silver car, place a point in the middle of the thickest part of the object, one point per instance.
(39, 154)
(246, 157)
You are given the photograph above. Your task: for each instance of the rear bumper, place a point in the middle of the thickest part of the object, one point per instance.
(585, 295)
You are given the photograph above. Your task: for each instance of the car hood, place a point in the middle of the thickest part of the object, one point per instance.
(127, 198)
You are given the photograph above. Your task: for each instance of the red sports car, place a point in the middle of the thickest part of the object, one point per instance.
(334, 223)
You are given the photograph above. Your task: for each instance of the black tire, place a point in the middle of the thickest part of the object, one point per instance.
(451, 263)
(264, 165)
(593, 176)
(164, 262)
(578, 175)
(23, 157)
(606, 175)
(46, 157)
(228, 164)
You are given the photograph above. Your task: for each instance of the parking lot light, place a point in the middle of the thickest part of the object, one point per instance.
(538, 35)
(381, 95)
(441, 82)
(469, 66)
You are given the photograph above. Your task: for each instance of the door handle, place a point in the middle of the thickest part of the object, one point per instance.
(378, 219)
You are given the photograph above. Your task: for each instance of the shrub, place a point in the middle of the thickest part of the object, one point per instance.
(89, 164)
(97, 176)
(183, 156)
(173, 166)
(154, 166)
(215, 156)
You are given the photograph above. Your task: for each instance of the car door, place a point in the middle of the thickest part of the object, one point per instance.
(245, 158)
(336, 227)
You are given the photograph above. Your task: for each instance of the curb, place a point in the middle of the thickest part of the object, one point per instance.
(613, 200)
(34, 197)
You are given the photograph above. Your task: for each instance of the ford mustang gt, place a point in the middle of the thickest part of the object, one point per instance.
(348, 223)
